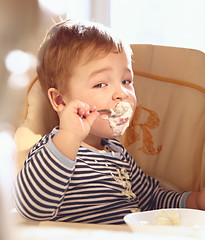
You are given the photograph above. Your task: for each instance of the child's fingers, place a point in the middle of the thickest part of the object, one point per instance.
(84, 110)
(88, 110)
(92, 108)
(92, 117)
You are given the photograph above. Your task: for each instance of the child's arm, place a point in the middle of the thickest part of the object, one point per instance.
(76, 120)
(152, 196)
(196, 200)
(42, 183)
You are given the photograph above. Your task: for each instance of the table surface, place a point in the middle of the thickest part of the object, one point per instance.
(33, 230)
(20, 221)
(47, 230)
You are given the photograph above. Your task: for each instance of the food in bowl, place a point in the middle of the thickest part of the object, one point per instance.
(163, 218)
(178, 222)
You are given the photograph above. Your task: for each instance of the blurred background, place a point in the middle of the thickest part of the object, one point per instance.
(24, 23)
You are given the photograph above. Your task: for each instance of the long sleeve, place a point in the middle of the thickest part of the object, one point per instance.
(42, 183)
(96, 188)
(151, 195)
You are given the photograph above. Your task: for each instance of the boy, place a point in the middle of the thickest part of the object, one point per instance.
(79, 172)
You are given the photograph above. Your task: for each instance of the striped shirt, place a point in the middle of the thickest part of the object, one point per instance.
(98, 187)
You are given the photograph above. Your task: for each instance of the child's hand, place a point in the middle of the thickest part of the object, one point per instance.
(196, 200)
(200, 199)
(77, 118)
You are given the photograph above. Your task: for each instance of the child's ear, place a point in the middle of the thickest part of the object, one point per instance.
(56, 99)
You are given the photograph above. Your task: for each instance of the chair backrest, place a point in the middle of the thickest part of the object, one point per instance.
(167, 134)
(40, 119)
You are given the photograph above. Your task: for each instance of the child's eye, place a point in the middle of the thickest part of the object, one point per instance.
(126, 82)
(100, 85)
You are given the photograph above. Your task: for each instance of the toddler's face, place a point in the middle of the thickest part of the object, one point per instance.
(104, 83)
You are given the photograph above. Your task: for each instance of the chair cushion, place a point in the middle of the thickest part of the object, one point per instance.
(167, 134)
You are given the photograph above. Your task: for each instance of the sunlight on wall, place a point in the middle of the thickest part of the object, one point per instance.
(18, 61)
(179, 23)
(58, 7)
(72, 9)
(78, 9)
(18, 64)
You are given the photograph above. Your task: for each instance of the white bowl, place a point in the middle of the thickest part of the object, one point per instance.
(192, 222)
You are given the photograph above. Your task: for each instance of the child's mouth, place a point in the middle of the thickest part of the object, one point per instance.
(121, 121)
(119, 118)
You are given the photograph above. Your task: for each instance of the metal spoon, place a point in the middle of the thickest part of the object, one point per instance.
(109, 111)
(105, 110)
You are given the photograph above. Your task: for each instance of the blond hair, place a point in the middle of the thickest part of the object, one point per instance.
(64, 46)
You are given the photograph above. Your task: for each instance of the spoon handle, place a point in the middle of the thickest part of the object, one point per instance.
(104, 110)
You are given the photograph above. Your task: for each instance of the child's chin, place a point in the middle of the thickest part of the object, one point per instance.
(104, 130)
(112, 134)
(101, 128)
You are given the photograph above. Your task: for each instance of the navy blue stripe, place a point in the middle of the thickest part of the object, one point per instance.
(28, 203)
(55, 173)
(36, 192)
(40, 186)
(43, 179)
(29, 182)
(58, 166)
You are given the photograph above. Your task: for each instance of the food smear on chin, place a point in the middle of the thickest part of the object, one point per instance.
(119, 118)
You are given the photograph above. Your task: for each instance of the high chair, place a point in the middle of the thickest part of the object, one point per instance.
(167, 134)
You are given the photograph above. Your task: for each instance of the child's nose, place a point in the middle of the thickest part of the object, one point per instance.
(120, 93)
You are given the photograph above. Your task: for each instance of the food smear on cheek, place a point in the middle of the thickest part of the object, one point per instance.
(119, 118)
